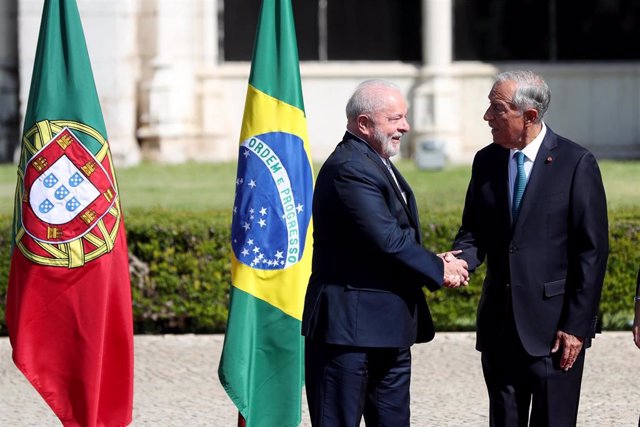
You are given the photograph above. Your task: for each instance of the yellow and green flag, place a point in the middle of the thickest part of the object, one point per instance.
(261, 367)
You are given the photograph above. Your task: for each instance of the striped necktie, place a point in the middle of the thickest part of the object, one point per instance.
(518, 186)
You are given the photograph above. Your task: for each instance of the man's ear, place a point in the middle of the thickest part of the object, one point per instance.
(530, 116)
(363, 123)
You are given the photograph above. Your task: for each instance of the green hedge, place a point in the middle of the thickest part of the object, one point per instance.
(455, 309)
(180, 271)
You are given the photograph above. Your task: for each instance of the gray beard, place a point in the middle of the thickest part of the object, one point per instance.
(385, 144)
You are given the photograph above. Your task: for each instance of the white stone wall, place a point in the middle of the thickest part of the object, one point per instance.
(110, 28)
(166, 98)
(596, 105)
(182, 118)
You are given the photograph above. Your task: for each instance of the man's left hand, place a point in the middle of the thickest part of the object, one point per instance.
(571, 347)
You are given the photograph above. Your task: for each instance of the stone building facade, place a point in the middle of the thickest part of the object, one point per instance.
(169, 96)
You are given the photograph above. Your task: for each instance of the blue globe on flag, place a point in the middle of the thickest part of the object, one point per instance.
(272, 208)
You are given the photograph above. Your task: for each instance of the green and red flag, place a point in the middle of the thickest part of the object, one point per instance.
(261, 367)
(69, 300)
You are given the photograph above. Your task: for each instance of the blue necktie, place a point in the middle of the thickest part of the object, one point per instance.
(518, 186)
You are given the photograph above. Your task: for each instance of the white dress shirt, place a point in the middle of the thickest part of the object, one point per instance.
(530, 152)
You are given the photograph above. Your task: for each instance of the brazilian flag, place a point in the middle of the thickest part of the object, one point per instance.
(261, 367)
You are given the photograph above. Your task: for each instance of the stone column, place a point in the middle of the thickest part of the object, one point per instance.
(436, 129)
(437, 34)
(183, 111)
(9, 96)
(111, 31)
(218, 139)
(169, 126)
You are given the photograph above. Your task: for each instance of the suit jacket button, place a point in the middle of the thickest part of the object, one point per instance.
(512, 249)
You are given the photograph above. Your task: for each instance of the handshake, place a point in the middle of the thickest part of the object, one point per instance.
(456, 272)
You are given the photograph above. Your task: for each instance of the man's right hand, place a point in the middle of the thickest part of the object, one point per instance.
(456, 272)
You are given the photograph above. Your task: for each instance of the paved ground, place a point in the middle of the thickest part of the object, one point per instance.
(176, 384)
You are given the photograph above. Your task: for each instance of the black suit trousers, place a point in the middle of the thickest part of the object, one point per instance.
(526, 390)
(343, 383)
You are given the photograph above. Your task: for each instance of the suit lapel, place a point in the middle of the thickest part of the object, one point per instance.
(410, 204)
(402, 184)
(500, 187)
(398, 187)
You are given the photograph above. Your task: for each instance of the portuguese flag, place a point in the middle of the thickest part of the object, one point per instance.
(69, 298)
(261, 367)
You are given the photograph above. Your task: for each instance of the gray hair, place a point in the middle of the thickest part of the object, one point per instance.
(365, 100)
(531, 91)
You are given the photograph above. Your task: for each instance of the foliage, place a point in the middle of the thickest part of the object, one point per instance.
(211, 186)
(616, 305)
(452, 309)
(180, 270)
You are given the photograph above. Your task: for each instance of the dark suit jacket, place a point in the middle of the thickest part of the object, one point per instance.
(553, 258)
(368, 262)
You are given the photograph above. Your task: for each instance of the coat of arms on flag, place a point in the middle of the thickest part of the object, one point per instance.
(69, 210)
(68, 304)
(66, 191)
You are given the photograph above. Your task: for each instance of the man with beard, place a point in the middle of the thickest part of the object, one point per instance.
(365, 304)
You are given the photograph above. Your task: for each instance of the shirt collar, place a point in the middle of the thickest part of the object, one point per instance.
(531, 149)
